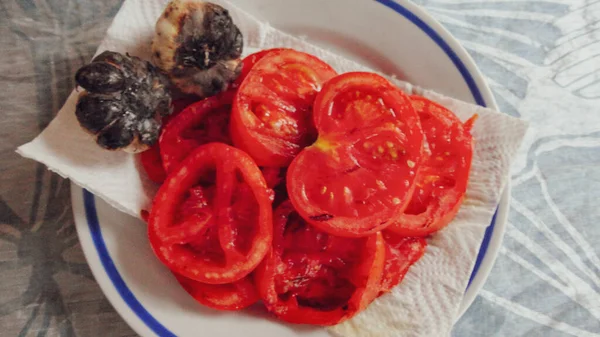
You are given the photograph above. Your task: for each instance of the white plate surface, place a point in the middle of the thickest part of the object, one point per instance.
(395, 37)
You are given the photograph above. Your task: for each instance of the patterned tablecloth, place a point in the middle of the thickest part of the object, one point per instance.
(542, 60)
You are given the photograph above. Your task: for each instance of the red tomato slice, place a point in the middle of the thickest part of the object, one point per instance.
(200, 123)
(442, 181)
(400, 253)
(310, 277)
(272, 112)
(230, 296)
(152, 163)
(360, 172)
(248, 63)
(358, 101)
(211, 220)
(180, 104)
(151, 159)
(274, 176)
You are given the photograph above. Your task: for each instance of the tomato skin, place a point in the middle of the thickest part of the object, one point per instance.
(400, 254)
(273, 176)
(272, 112)
(196, 111)
(152, 163)
(180, 104)
(361, 261)
(339, 112)
(209, 219)
(248, 63)
(360, 173)
(469, 123)
(151, 159)
(180, 135)
(230, 296)
(264, 151)
(442, 181)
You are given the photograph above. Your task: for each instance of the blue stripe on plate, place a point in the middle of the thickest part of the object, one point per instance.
(483, 248)
(112, 272)
(138, 308)
(440, 42)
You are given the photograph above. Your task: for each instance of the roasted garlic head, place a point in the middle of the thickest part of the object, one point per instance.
(199, 46)
(124, 101)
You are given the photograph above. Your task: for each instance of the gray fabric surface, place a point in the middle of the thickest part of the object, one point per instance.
(542, 59)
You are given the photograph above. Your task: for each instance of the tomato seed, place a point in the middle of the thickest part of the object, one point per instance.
(347, 195)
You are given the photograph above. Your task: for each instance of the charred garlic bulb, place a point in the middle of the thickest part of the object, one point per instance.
(199, 46)
(124, 101)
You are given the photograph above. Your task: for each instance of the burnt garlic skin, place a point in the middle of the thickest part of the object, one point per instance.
(124, 101)
(197, 44)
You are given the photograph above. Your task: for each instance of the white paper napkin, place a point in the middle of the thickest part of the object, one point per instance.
(426, 302)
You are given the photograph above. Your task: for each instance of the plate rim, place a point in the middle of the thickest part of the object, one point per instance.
(129, 308)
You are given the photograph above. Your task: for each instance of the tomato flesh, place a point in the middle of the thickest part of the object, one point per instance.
(360, 173)
(358, 101)
(442, 180)
(152, 163)
(248, 63)
(199, 123)
(151, 159)
(230, 296)
(310, 277)
(211, 220)
(400, 254)
(272, 111)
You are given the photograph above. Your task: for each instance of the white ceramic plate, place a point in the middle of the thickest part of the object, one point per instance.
(395, 37)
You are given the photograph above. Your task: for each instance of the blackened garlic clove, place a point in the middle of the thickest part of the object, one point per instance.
(148, 130)
(116, 136)
(124, 114)
(100, 77)
(110, 57)
(95, 112)
(212, 81)
(199, 46)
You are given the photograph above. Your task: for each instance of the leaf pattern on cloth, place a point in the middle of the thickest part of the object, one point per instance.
(542, 61)
(46, 287)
